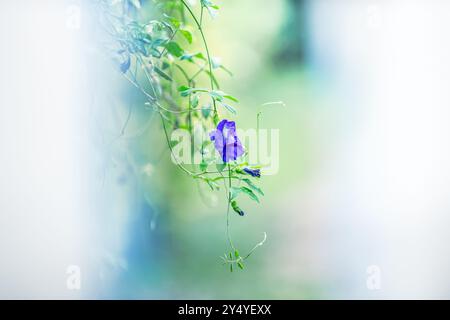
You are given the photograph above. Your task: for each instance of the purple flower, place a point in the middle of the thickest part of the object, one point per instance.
(226, 141)
(253, 172)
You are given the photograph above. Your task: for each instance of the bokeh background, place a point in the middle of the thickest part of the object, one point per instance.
(364, 180)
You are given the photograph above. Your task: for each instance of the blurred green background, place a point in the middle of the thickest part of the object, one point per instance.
(179, 256)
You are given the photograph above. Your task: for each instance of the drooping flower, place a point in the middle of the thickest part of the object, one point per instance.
(253, 172)
(226, 141)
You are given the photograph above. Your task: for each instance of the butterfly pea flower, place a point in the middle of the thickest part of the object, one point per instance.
(226, 141)
(236, 208)
(253, 172)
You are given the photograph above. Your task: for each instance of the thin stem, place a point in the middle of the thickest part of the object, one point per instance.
(170, 147)
(190, 128)
(206, 48)
(183, 72)
(228, 209)
(200, 70)
(201, 16)
(147, 75)
(130, 111)
(171, 38)
(256, 246)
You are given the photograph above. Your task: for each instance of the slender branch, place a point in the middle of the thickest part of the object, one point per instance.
(228, 209)
(199, 26)
(171, 150)
(201, 15)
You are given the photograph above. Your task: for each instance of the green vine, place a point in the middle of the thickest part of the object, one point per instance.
(150, 55)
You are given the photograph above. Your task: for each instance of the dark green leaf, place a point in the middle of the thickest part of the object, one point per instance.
(203, 165)
(216, 118)
(186, 34)
(162, 73)
(250, 193)
(185, 91)
(183, 88)
(174, 49)
(230, 97)
(253, 186)
(174, 21)
(165, 65)
(173, 143)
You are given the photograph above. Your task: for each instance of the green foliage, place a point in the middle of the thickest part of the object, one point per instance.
(156, 57)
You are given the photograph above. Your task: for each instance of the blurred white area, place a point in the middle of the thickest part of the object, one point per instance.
(384, 191)
(42, 149)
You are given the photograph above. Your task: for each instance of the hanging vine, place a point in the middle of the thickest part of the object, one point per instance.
(182, 88)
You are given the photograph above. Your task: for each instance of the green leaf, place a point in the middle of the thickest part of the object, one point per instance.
(211, 7)
(155, 52)
(253, 186)
(240, 265)
(185, 90)
(173, 143)
(186, 34)
(205, 3)
(194, 101)
(203, 165)
(174, 21)
(174, 49)
(206, 110)
(229, 108)
(165, 65)
(234, 192)
(220, 166)
(230, 97)
(236, 253)
(200, 56)
(216, 118)
(216, 95)
(220, 95)
(162, 73)
(250, 193)
(231, 267)
(189, 56)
